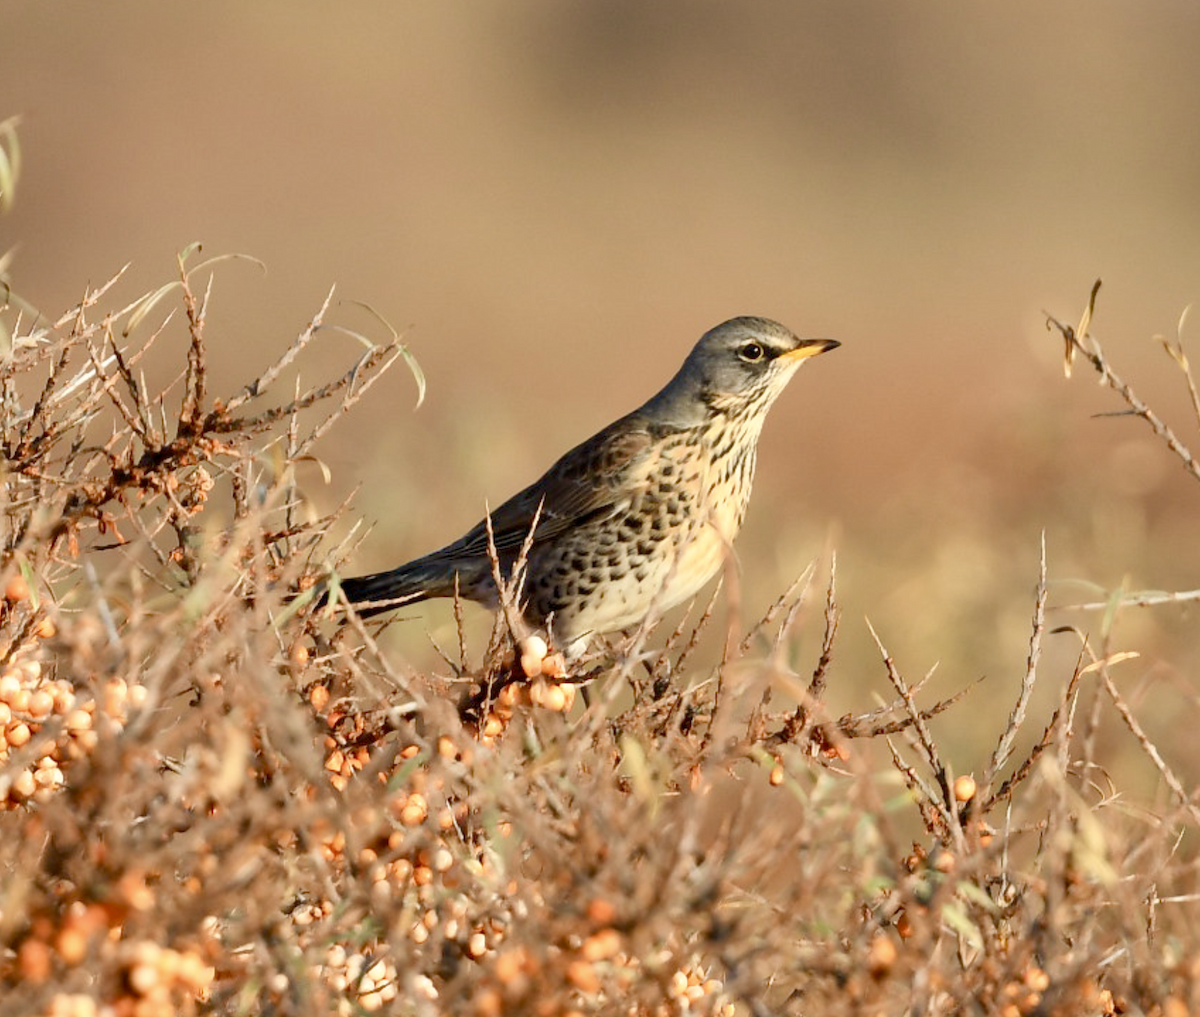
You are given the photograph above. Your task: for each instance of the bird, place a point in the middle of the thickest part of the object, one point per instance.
(632, 521)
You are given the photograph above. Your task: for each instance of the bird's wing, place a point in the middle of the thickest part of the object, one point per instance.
(593, 480)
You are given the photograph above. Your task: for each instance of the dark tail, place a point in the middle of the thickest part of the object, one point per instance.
(386, 591)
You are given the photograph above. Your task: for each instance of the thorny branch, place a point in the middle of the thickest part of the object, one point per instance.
(1078, 340)
(138, 457)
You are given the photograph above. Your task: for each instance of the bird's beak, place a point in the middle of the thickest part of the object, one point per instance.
(810, 348)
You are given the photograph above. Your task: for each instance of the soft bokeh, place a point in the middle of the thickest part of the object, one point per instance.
(553, 200)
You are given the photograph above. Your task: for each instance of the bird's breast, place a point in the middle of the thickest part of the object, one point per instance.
(708, 476)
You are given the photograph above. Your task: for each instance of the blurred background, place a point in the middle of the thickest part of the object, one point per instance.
(552, 201)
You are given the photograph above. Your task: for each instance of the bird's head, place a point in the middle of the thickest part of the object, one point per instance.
(741, 364)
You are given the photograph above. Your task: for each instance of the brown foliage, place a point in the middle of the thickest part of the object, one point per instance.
(216, 803)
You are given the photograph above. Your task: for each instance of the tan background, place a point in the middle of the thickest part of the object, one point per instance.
(553, 200)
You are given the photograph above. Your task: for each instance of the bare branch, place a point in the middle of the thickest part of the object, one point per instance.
(1089, 348)
(1016, 719)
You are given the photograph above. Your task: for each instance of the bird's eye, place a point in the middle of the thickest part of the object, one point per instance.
(751, 352)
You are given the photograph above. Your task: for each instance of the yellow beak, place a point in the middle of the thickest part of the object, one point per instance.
(810, 348)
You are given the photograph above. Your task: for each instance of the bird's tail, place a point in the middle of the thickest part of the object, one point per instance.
(384, 591)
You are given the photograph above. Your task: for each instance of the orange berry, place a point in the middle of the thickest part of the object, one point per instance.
(49, 777)
(415, 810)
(554, 698)
(601, 911)
(17, 589)
(72, 945)
(881, 956)
(532, 651)
(488, 1003)
(944, 861)
(582, 975)
(318, 697)
(554, 666)
(144, 978)
(508, 697)
(1037, 979)
(78, 720)
(509, 967)
(964, 788)
(87, 740)
(601, 945)
(33, 959)
(116, 691)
